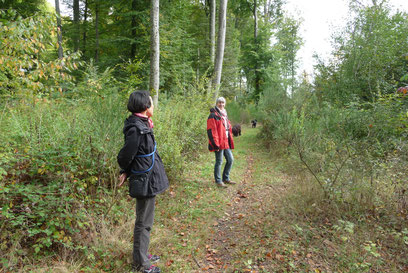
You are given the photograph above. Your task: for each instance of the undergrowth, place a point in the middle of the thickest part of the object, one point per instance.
(59, 172)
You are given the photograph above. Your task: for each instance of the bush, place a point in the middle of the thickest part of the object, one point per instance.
(58, 157)
(356, 154)
(181, 130)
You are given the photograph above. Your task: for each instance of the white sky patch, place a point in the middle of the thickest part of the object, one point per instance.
(321, 18)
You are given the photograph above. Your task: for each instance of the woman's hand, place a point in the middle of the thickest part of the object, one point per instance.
(122, 179)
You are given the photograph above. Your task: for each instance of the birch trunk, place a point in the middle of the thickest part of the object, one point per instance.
(213, 7)
(257, 76)
(212, 30)
(154, 51)
(220, 47)
(59, 35)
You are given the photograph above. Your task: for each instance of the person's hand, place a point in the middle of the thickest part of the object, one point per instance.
(122, 179)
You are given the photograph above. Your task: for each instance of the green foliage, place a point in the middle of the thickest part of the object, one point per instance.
(369, 58)
(350, 152)
(181, 127)
(27, 67)
(58, 157)
(241, 113)
(24, 8)
(98, 84)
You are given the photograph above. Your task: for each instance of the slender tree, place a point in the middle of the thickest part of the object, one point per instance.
(59, 34)
(212, 30)
(220, 46)
(133, 30)
(96, 30)
(257, 76)
(154, 50)
(76, 33)
(85, 25)
(213, 7)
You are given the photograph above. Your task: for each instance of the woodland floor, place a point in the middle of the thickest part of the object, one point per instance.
(252, 235)
(264, 223)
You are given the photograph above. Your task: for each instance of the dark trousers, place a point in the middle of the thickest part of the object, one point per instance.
(141, 235)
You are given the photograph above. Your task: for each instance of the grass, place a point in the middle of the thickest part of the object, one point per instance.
(183, 216)
(268, 222)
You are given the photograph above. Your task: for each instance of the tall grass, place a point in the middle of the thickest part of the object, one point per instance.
(58, 158)
(355, 156)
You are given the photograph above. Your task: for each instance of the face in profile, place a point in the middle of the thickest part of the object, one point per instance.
(150, 110)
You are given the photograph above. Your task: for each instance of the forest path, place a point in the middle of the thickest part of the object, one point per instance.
(243, 239)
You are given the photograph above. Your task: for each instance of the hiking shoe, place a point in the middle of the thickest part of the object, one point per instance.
(221, 185)
(152, 269)
(153, 258)
(230, 182)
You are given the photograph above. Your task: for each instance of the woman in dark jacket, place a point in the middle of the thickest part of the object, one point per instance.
(141, 163)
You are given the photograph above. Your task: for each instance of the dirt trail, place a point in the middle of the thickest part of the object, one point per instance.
(229, 229)
(240, 230)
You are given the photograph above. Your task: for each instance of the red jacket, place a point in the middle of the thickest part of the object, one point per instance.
(216, 131)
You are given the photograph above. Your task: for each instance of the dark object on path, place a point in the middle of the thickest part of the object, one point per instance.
(253, 122)
(236, 130)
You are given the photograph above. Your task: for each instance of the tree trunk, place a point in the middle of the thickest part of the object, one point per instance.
(198, 66)
(213, 7)
(257, 76)
(96, 31)
(133, 28)
(212, 30)
(292, 64)
(85, 29)
(220, 46)
(57, 10)
(255, 20)
(76, 25)
(154, 51)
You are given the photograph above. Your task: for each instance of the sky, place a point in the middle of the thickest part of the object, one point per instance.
(320, 19)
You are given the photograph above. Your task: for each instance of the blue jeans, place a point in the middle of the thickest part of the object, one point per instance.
(218, 162)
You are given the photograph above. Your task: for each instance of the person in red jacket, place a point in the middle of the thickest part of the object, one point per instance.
(220, 141)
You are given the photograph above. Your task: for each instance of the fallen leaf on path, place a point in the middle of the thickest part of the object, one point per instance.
(169, 262)
(279, 257)
(240, 216)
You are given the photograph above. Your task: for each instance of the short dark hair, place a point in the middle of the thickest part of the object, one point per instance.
(139, 101)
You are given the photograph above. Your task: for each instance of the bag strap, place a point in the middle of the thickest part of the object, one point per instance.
(146, 155)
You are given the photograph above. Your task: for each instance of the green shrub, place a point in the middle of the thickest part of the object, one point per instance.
(58, 161)
(180, 124)
(356, 154)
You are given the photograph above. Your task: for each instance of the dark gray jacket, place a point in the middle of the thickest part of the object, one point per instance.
(139, 140)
